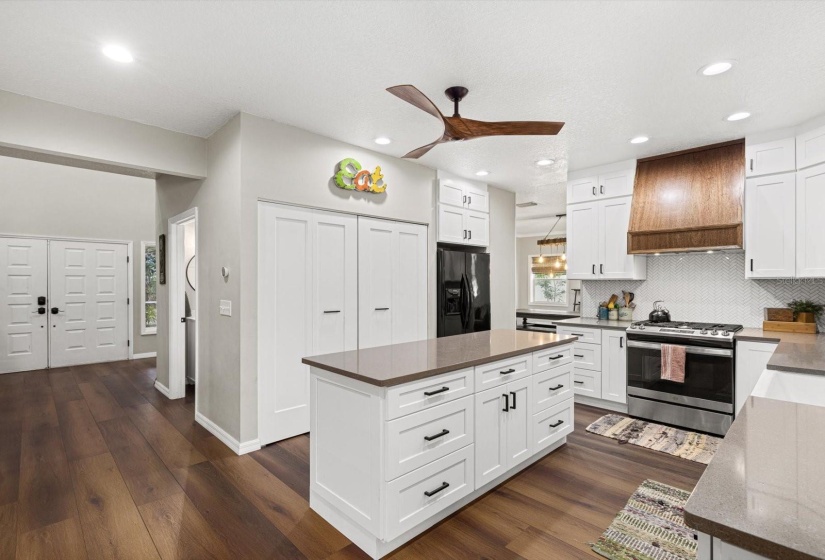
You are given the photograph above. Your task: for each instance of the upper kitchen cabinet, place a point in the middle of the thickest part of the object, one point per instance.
(770, 157)
(810, 148)
(770, 235)
(605, 185)
(463, 212)
(810, 227)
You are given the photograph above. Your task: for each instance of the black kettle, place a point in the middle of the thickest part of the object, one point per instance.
(659, 313)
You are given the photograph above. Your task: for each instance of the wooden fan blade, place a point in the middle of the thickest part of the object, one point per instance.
(469, 128)
(418, 152)
(413, 96)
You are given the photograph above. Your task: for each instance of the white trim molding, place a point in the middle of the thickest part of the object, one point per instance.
(240, 448)
(144, 355)
(163, 389)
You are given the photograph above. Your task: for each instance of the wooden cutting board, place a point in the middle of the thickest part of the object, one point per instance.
(789, 326)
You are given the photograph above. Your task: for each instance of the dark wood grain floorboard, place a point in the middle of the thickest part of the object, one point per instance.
(81, 436)
(8, 531)
(101, 402)
(64, 385)
(63, 540)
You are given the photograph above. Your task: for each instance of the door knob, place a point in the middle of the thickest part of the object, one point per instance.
(55, 310)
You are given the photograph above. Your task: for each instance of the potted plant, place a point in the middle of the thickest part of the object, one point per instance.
(805, 311)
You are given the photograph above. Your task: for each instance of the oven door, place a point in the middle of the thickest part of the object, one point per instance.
(708, 376)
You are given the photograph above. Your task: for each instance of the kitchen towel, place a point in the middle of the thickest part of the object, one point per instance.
(673, 362)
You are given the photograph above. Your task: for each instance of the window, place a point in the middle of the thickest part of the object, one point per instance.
(150, 288)
(548, 280)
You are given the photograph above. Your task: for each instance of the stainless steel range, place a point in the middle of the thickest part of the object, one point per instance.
(705, 401)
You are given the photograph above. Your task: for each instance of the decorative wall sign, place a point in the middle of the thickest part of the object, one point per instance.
(352, 177)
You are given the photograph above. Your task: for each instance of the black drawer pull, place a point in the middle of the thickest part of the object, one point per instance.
(436, 392)
(557, 387)
(444, 486)
(557, 424)
(514, 399)
(382, 308)
(576, 333)
(333, 311)
(579, 382)
(556, 357)
(506, 371)
(436, 436)
(578, 355)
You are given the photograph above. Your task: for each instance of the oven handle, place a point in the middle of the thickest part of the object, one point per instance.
(688, 349)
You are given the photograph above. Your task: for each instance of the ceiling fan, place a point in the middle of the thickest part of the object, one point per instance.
(458, 128)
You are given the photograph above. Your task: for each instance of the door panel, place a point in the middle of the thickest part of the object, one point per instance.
(285, 334)
(810, 227)
(451, 226)
(491, 435)
(619, 183)
(582, 190)
(477, 199)
(582, 241)
(770, 248)
(88, 285)
(614, 366)
(519, 421)
(614, 218)
(478, 281)
(376, 255)
(24, 335)
(451, 294)
(409, 283)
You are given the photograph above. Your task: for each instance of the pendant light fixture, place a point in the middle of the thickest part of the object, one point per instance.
(557, 260)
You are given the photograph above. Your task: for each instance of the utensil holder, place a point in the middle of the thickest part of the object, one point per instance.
(625, 314)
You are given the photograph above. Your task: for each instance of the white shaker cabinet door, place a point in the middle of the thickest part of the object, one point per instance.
(810, 227)
(376, 255)
(478, 228)
(778, 156)
(614, 366)
(583, 241)
(582, 190)
(477, 199)
(770, 232)
(519, 421)
(614, 218)
(451, 225)
(491, 434)
(409, 283)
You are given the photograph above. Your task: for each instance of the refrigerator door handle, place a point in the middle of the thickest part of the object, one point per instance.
(465, 302)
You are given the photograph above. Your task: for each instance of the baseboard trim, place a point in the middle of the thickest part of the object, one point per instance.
(601, 403)
(233, 444)
(164, 390)
(144, 355)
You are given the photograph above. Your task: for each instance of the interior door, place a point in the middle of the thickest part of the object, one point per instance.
(377, 256)
(24, 336)
(583, 241)
(491, 434)
(285, 333)
(519, 421)
(614, 219)
(770, 215)
(88, 293)
(409, 283)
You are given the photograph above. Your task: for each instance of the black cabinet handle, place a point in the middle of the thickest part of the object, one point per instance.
(469, 200)
(464, 199)
(556, 388)
(556, 357)
(751, 265)
(382, 308)
(601, 269)
(579, 382)
(471, 234)
(514, 399)
(621, 342)
(576, 334)
(333, 311)
(506, 403)
(557, 424)
(601, 189)
(506, 371)
(431, 493)
(436, 436)
(594, 190)
(594, 269)
(436, 392)
(751, 164)
(465, 234)
(578, 355)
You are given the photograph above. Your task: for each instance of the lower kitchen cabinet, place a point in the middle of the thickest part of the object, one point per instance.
(599, 363)
(504, 428)
(751, 360)
(614, 366)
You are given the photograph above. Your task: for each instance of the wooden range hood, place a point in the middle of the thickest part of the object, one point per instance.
(689, 201)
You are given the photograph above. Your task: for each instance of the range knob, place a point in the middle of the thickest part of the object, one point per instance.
(641, 327)
(726, 333)
(632, 326)
(703, 331)
(714, 332)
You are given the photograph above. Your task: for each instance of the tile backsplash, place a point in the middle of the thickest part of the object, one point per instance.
(704, 287)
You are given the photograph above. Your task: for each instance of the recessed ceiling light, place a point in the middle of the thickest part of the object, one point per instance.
(482, 173)
(383, 140)
(738, 116)
(639, 140)
(716, 68)
(545, 162)
(118, 53)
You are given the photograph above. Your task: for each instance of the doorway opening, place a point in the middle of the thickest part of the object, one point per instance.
(182, 274)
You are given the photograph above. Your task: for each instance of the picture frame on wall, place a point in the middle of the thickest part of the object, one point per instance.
(162, 258)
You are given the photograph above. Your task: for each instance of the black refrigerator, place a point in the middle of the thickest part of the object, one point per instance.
(463, 292)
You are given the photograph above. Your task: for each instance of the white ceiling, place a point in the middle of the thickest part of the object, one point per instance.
(610, 69)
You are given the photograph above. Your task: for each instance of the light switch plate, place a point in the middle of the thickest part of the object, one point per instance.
(226, 307)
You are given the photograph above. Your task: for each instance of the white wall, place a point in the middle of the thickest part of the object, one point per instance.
(49, 128)
(502, 251)
(54, 200)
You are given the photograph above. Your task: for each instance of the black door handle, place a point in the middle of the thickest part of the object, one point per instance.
(506, 403)
(431, 493)
(751, 265)
(557, 424)
(41, 300)
(621, 342)
(436, 392)
(41, 310)
(183, 319)
(438, 435)
(55, 310)
(556, 388)
(601, 269)
(506, 371)
(594, 269)
(556, 357)
(514, 399)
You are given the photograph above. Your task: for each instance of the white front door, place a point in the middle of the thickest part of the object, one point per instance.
(23, 329)
(88, 289)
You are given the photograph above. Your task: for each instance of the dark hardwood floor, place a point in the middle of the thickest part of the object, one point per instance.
(95, 463)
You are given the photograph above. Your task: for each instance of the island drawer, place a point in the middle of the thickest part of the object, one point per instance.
(587, 356)
(503, 371)
(417, 496)
(587, 382)
(550, 425)
(584, 334)
(552, 387)
(421, 395)
(421, 438)
(552, 357)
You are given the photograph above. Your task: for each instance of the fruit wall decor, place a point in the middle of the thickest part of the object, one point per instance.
(350, 176)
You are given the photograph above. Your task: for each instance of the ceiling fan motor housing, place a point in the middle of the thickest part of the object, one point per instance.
(456, 94)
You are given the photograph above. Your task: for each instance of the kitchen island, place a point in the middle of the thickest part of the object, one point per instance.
(404, 435)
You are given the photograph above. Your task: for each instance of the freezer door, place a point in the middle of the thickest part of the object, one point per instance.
(452, 297)
(478, 282)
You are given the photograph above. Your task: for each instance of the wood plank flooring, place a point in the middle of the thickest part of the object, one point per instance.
(94, 463)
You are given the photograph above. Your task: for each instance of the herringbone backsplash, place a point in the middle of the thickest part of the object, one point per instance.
(704, 287)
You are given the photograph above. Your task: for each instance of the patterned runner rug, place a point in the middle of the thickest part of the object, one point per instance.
(650, 527)
(681, 443)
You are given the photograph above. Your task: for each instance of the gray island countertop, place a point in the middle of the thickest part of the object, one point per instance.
(401, 363)
(797, 352)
